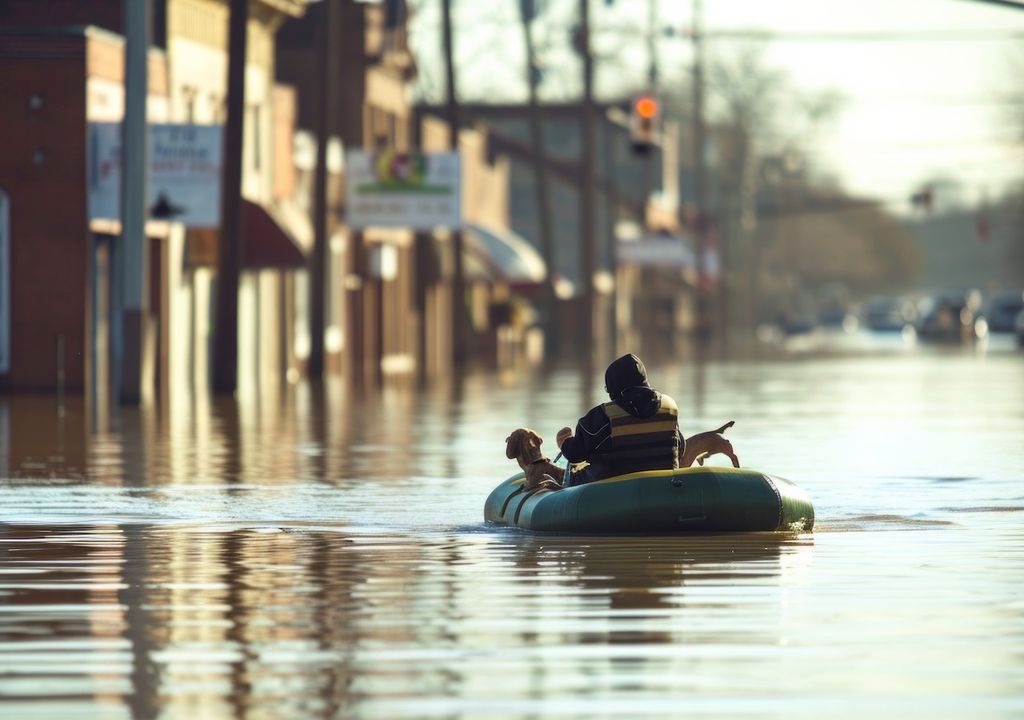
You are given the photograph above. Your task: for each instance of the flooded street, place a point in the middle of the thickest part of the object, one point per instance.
(298, 554)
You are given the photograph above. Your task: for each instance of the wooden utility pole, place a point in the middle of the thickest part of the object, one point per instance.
(652, 47)
(699, 173)
(587, 189)
(225, 355)
(350, 56)
(317, 259)
(540, 179)
(133, 272)
(458, 279)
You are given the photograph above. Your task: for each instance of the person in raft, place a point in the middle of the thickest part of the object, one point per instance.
(638, 430)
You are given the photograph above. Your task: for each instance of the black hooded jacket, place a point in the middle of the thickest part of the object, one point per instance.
(626, 383)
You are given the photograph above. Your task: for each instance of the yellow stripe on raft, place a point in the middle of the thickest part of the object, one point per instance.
(650, 473)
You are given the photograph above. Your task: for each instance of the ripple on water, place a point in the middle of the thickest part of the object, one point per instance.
(279, 559)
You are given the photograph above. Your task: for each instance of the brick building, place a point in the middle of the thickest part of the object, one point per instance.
(61, 68)
(53, 81)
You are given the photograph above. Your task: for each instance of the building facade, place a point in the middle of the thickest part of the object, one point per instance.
(61, 68)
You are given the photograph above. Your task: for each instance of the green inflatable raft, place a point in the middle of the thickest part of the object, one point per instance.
(697, 499)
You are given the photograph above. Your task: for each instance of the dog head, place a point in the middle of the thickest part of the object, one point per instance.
(523, 444)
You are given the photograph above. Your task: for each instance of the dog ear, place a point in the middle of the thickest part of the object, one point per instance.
(513, 443)
(533, 440)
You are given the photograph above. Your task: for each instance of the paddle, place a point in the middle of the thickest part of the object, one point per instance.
(568, 472)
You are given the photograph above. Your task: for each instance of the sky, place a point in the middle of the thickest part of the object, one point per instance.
(926, 86)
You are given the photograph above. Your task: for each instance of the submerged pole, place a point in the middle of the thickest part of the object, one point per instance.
(458, 272)
(588, 229)
(133, 273)
(225, 356)
(540, 179)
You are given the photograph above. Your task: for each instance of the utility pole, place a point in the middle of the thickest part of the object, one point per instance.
(225, 356)
(452, 112)
(527, 8)
(350, 56)
(652, 86)
(699, 179)
(317, 265)
(133, 269)
(652, 47)
(587, 190)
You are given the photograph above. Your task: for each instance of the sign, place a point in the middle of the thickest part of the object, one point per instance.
(5, 284)
(419, 191)
(656, 251)
(183, 184)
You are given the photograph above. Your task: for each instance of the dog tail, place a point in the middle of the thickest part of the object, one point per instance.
(725, 427)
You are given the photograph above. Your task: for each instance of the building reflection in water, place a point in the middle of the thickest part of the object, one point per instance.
(266, 622)
(284, 433)
(243, 559)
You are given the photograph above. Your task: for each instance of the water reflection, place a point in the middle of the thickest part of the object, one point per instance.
(310, 552)
(269, 623)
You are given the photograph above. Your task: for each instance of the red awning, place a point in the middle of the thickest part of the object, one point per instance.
(268, 244)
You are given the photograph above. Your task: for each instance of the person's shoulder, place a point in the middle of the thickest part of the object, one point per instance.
(667, 402)
(595, 417)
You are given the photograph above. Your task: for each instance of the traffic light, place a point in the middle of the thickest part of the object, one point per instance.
(643, 123)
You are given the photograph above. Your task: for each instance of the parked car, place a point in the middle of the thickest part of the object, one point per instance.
(888, 314)
(999, 313)
(948, 316)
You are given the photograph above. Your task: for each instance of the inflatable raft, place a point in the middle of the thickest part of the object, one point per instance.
(697, 499)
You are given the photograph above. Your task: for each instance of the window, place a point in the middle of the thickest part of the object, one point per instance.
(256, 139)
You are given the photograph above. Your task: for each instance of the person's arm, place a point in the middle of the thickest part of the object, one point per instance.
(592, 431)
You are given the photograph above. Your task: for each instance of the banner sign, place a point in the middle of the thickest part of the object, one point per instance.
(183, 184)
(656, 251)
(419, 191)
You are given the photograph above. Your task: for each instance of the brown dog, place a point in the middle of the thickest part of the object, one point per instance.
(701, 445)
(524, 445)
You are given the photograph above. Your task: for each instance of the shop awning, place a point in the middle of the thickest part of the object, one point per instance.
(500, 255)
(269, 243)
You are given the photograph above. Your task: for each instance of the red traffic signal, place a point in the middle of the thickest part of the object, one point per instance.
(646, 107)
(643, 122)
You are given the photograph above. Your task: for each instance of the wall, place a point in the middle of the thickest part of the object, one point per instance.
(43, 175)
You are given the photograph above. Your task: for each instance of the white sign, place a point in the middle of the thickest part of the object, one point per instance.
(5, 284)
(419, 191)
(184, 173)
(653, 251)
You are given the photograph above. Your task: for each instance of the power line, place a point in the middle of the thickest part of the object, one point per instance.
(869, 35)
(761, 35)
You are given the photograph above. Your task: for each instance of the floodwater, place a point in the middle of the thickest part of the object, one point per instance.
(297, 554)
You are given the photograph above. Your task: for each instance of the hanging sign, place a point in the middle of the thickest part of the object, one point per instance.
(419, 191)
(183, 184)
(656, 251)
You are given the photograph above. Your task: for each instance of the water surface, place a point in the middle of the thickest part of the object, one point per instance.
(307, 554)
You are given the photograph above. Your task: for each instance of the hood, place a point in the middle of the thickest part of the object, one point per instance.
(626, 383)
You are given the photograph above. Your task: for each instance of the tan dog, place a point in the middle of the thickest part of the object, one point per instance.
(524, 445)
(701, 445)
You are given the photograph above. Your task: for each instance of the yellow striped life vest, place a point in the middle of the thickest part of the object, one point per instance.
(650, 443)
